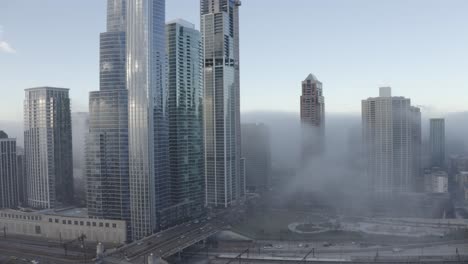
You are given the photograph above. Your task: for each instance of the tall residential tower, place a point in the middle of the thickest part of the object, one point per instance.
(390, 127)
(312, 118)
(186, 145)
(48, 147)
(220, 36)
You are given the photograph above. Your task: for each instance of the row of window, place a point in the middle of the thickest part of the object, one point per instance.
(24, 217)
(82, 223)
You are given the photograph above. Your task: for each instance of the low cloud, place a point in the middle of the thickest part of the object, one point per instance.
(5, 47)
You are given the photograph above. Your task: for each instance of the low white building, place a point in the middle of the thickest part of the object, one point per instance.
(64, 225)
(436, 181)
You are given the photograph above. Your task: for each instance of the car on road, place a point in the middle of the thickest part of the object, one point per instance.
(327, 244)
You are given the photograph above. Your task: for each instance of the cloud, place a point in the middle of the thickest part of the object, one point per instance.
(6, 48)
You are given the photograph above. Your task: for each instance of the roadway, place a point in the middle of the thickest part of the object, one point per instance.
(166, 243)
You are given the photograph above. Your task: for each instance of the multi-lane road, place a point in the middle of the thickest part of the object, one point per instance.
(166, 243)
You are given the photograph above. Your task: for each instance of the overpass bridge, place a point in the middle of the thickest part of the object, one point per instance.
(165, 243)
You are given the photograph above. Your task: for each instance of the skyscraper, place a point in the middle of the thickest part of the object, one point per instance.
(437, 142)
(390, 125)
(48, 147)
(107, 169)
(185, 108)
(256, 150)
(220, 36)
(147, 116)
(9, 189)
(312, 118)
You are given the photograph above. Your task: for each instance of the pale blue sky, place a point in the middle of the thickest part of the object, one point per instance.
(419, 47)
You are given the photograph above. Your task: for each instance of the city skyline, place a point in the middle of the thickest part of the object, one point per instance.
(388, 68)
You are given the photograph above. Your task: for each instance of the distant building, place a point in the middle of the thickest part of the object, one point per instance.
(9, 189)
(462, 185)
(48, 147)
(220, 37)
(21, 172)
(257, 153)
(391, 135)
(185, 108)
(312, 118)
(437, 142)
(62, 225)
(436, 180)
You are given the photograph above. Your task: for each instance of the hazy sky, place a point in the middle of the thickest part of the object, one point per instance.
(419, 47)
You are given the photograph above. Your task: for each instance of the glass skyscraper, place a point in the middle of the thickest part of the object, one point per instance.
(9, 189)
(186, 147)
(107, 169)
(220, 37)
(147, 116)
(48, 147)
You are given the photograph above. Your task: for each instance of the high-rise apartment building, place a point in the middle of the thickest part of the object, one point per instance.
(9, 189)
(437, 142)
(48, 147)
(256, 150)
(220, 37)
(107, 168)
(391, 132)
(312, 118)
(147, 116)
(185, 108)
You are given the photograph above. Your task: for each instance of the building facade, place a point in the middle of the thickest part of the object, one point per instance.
(220, 38)
(390, 125)
(257, 153)
(107, 160)
(9, 188)
(185, 108)
(147, 116)
(63, 226)
(312, 118)
(436, 180)
(437, 142)
(48, 147)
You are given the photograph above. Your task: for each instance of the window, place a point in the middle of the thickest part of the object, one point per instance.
(101, 224)
(81, 223)
(107, 224)
(38, 230)
(114, 225)
(64, 222)
(50, 220)
(76, 222)
(69, 222)
(88, 223)
(94, 223)
(56, 220)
